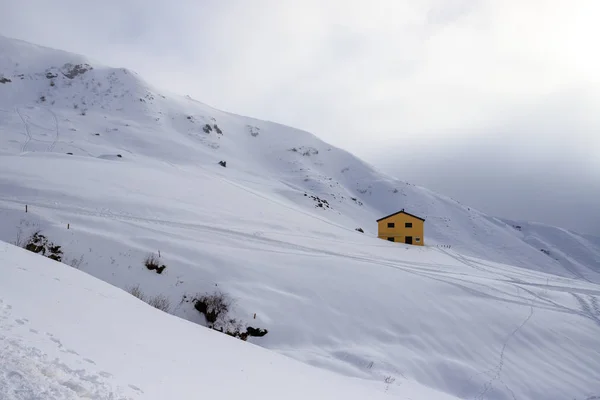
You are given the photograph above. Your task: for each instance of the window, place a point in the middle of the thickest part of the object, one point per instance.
(408, 225)
(391, 225)
(417, 240)
(391, 239)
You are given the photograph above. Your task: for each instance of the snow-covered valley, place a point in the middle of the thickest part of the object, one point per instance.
(112, 169)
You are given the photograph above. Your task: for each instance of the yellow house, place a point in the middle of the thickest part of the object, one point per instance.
(401, 227)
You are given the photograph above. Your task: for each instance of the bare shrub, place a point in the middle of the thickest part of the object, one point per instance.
(213, 306)
(76, 262)
(216, 307)
(160, 302)
(152, 263)
(19, 239)
(388, 380)
(137, 292)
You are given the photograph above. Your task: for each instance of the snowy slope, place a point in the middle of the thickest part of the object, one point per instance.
(104, 112)
(477, 320)
(109, 345)
(571, 249)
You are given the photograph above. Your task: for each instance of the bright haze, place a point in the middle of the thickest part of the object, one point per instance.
(494, 103)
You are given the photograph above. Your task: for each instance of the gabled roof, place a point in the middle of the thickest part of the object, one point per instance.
(400, 212)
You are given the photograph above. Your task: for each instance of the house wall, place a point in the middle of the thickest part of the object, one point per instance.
(399, 232)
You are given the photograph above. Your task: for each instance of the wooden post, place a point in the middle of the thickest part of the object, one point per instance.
(254, 315)
(159, 254)
(25, 207)
(68, 226)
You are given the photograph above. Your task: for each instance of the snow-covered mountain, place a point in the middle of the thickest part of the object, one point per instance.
(111, 168)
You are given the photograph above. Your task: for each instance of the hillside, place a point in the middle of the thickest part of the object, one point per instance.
(58, 102)
(486, 318)
(108, 345)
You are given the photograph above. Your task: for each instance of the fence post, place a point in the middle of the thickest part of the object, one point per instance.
(68, 226)
(25, 207)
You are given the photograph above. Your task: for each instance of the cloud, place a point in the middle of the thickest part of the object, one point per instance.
(373, 77)
(540, 164)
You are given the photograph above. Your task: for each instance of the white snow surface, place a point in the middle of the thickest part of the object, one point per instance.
(67, 335)
(480, 312)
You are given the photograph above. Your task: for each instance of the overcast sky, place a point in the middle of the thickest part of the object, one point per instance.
(495, 103)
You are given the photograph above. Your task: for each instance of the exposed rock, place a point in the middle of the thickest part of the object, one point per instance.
(322, 203)
(253, 130)
(305, 151)
(354, 199)
(71, 71)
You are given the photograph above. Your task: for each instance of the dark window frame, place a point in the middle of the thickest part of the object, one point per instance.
(390, 239)
(408, 225)
(391, 225)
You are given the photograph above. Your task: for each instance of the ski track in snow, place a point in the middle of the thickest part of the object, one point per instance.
(29, 137)
(589, 309)
(57, 137)
(497, 370)
(27, 133)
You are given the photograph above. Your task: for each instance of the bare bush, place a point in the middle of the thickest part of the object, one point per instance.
(160, 302)
(214, 307)
(19, 239)
(137, 292)
(388, 380)
(76, 262)
(152, 263)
